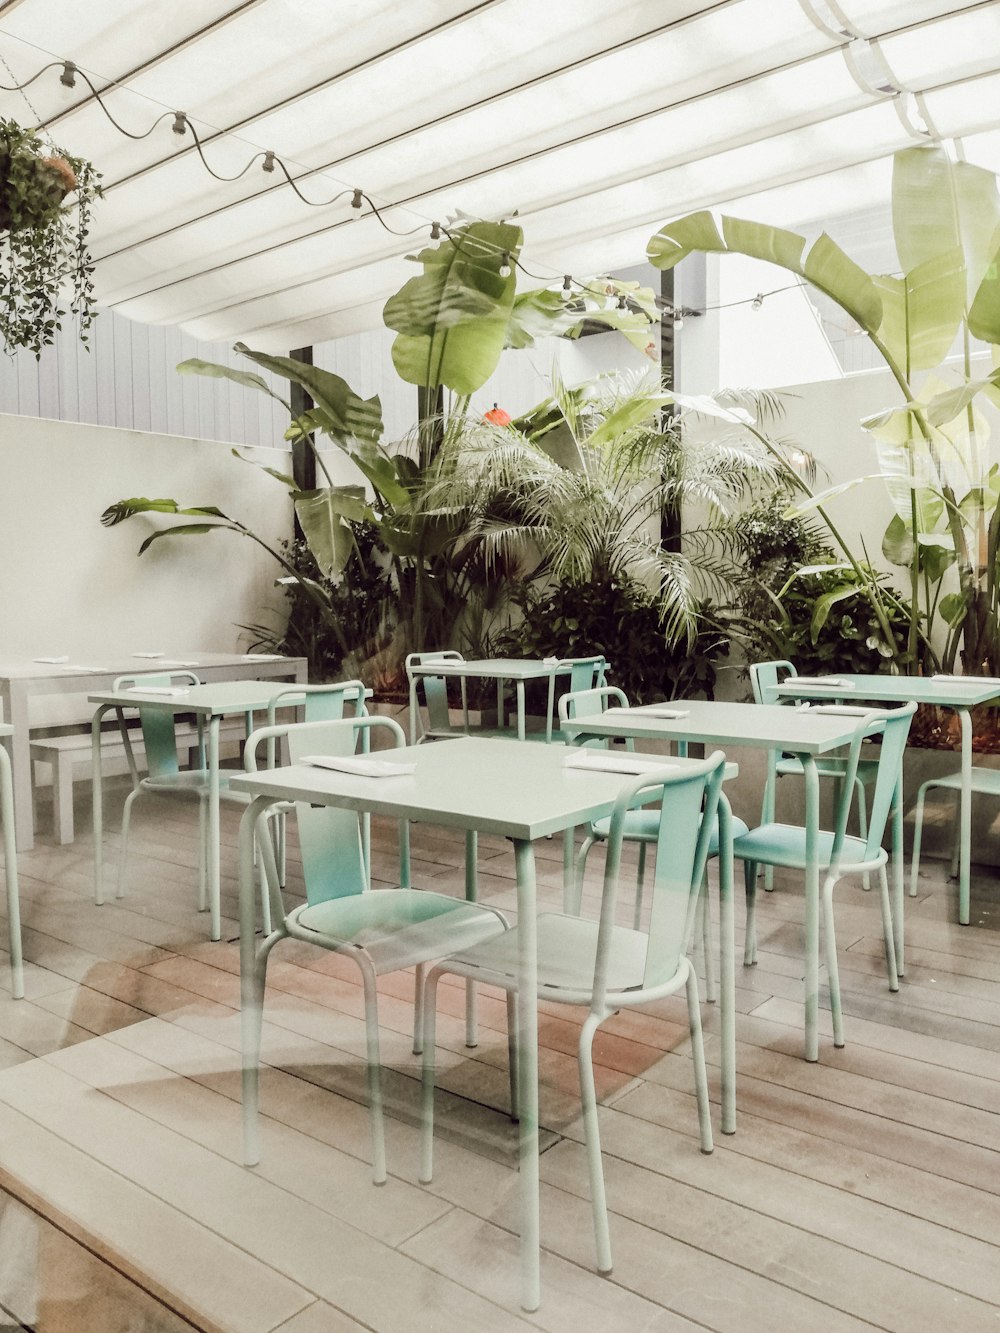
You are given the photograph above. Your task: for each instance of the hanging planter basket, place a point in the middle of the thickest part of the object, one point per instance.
(44, 259)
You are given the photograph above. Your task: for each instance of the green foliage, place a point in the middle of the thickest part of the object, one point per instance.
(43, 246)
(619, 620)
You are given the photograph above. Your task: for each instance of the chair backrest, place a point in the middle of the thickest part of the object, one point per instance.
(158, 737)
(433, 688)
(330, 838)
(689, 800)
(893, 724)
(765, 677)
(586, 672)
(321, 703)
(587, 702)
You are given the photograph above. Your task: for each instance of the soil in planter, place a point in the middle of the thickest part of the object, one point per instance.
(939, 729)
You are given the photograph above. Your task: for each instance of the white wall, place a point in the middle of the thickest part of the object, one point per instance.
(70, 586)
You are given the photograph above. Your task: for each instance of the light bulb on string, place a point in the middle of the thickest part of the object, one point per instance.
(505, 265)
(757, 301)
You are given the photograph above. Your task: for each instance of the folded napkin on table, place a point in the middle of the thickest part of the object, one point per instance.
(658, 710)
(941, 675)
(607, 762)
(157, 689)
(843, 710)
(359, 765)
(148, 654)
(95, 670)
(262, 657)
(53, 660)
(827, 682)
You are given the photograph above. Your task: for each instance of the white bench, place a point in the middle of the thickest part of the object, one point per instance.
(73, 748)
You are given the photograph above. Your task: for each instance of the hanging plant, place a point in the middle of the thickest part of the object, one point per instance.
(44, 259)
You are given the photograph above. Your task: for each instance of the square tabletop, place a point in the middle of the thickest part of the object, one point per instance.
(505, 668)
(212, 700)
(507, 788)
(946, 691)
(709, 722)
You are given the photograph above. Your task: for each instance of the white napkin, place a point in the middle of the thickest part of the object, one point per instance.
(168, 690)
(147, 654)
(551, 661)
(657, 710)
(608, 762)
(53, 660)
(94, 670)
(827, 682)
(359, 765)
(260, 657)
(943, 675)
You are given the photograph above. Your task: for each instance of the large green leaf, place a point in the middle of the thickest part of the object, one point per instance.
(347, 416)
(184, 529)
(760, 241)
(825, 604)
(688, 235)
(897, 542)
(195, 366)
(924, 213)
(283, 477)
(944, 407)
(832, 271)
(123, 509)
(452, 320)
(984, 316)
(323, 516)
(935, 300)
(979, 219)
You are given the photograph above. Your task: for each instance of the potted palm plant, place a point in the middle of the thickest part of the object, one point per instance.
(44, 259)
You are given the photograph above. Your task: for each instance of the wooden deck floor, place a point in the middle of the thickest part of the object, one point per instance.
(860, 1192)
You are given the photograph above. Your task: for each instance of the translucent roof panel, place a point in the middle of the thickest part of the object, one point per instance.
(595, 123)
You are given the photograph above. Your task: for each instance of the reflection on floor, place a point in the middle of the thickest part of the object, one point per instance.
(860, 1192)
(49, 1283)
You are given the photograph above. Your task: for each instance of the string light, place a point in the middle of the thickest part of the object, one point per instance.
(271, 161)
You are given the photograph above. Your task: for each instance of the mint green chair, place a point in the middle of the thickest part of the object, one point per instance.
(982, 782)
(838, 854)
(433, 691)
(605, 967)
(164, 775)
(585, 673)
(764, 677)
(382, 930)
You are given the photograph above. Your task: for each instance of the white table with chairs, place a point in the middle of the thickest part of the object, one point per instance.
(505, 788)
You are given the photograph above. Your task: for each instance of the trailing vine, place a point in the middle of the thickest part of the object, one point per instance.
(45, 266)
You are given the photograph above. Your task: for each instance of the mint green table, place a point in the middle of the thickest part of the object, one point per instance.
(210, 704)
(10, 865)
(517, 669)
(507, 788)
(806, 734)
(959, 693)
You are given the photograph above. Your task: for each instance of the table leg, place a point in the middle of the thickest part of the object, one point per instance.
(812, 908)
(16, 713)
(965, 818)
(97, 802)
(213, 852)
(471, 896)
(527, 1072)
(519, 685)
(249, 1019)
(727, 967)
(10, 874)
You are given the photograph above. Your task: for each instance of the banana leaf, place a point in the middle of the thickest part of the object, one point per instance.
(324, 516)
(452, 320)
(195, 366)
(347, 416)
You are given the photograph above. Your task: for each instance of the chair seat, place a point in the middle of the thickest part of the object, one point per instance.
(567, 949)
(986, 781)
(785, 845)
(643, 826)
(397, 928)
(829, 768)
(195, 781)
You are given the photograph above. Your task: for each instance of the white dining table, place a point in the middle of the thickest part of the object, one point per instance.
(504, 788)
(208, 703)
(806, 733)
(500, 669)
(21, 681)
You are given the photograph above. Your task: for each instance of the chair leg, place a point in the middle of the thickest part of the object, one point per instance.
(767, 811)
(832, 968)
(708, 944)
(592, 1137)
(253, 1021)
(640, 881)
(698, 1059)
(956, 837)
(418, 1009)
(866, 882)
(515, 1091)
(374, 1069)
(889, 930)
(126, 829)
(428, 1017)
(918, 833)
(750, 939)
(573, 893)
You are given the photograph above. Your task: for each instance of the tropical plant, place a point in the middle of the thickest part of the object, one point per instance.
(43, 244)
(931, 448)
